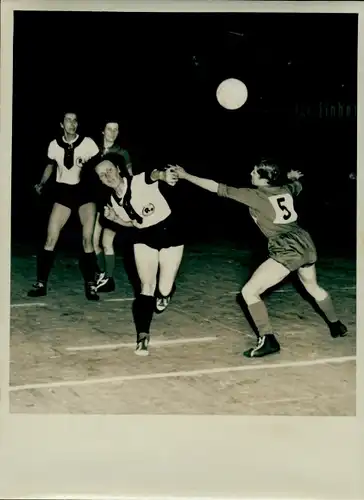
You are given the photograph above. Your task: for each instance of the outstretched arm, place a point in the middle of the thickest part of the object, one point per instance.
(247, 196)
(207, 184)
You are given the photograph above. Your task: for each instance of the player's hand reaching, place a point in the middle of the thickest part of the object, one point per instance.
(294, 175)
(179, 171)
(110, 213)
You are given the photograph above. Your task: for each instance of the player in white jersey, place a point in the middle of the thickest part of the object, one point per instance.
(137, 202)
(105, 230)
(67, 154)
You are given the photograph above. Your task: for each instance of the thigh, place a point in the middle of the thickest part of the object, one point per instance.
(87, 214)
(268, 274)
(146, 261)
(58, 218)
(169, 262)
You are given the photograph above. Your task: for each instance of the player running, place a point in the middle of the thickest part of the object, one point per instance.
(290, 247)
(137, 202)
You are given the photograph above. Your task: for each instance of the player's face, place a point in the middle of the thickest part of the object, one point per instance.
(111, 132)
(256, 179)
(108, 174)
(70, 123)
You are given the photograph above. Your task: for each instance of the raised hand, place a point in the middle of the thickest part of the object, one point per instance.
(294, 175)
(179, 171)
(171, 177)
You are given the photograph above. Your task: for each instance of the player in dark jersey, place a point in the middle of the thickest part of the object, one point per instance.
(138, 203)
(67, 154)
(290, 247)
(105, 230)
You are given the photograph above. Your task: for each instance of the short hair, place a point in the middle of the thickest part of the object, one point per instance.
(110, 120)
(116, 159)
(271, 171)
(68, 111)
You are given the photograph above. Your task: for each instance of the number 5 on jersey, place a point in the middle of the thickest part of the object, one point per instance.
(283, 208)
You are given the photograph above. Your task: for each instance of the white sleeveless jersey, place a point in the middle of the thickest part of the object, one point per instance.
(81, 150)
(147, 201)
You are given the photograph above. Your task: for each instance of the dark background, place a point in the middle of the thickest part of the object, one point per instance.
(158, 74)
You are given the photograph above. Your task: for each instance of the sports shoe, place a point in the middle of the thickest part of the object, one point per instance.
(142, 345)
(39, 290)
(105, 285)
(338, 329)
(91, 292)
(162, 303)
(267, 344)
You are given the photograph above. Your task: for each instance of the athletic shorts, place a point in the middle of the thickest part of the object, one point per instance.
(165, 234)
(293, 250)
(72, 196)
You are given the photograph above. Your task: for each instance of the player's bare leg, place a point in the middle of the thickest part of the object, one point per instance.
(268, 274)
(106, 281)
(96, 239)
(57, 220)
(88, 264)
(147, 261)
(308, 278)
(169, 263)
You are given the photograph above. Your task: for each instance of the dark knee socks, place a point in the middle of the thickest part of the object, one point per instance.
(109, 265)
(45, 260)
(100, 257)
(106, 264)
(327, 307)
(143, 309)
(88, 266)
(259, 314)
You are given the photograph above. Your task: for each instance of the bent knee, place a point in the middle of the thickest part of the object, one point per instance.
(250, 293)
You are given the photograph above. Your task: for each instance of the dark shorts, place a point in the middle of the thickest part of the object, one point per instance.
(72, 196)
(293, 250)
(166, 234)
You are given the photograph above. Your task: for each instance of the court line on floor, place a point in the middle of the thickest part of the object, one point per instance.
(235, 330)
(288, 290)
(195, 340)
(123, 299)
(29, 304)
(184, 373)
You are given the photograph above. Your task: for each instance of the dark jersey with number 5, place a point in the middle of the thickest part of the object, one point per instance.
(272, 208)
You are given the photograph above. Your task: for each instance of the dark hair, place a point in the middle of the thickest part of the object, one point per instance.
(111, 119)
(272, 172)
(114, 158)
(67, 111)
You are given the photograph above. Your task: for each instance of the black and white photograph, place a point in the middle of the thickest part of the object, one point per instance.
(184, 213)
